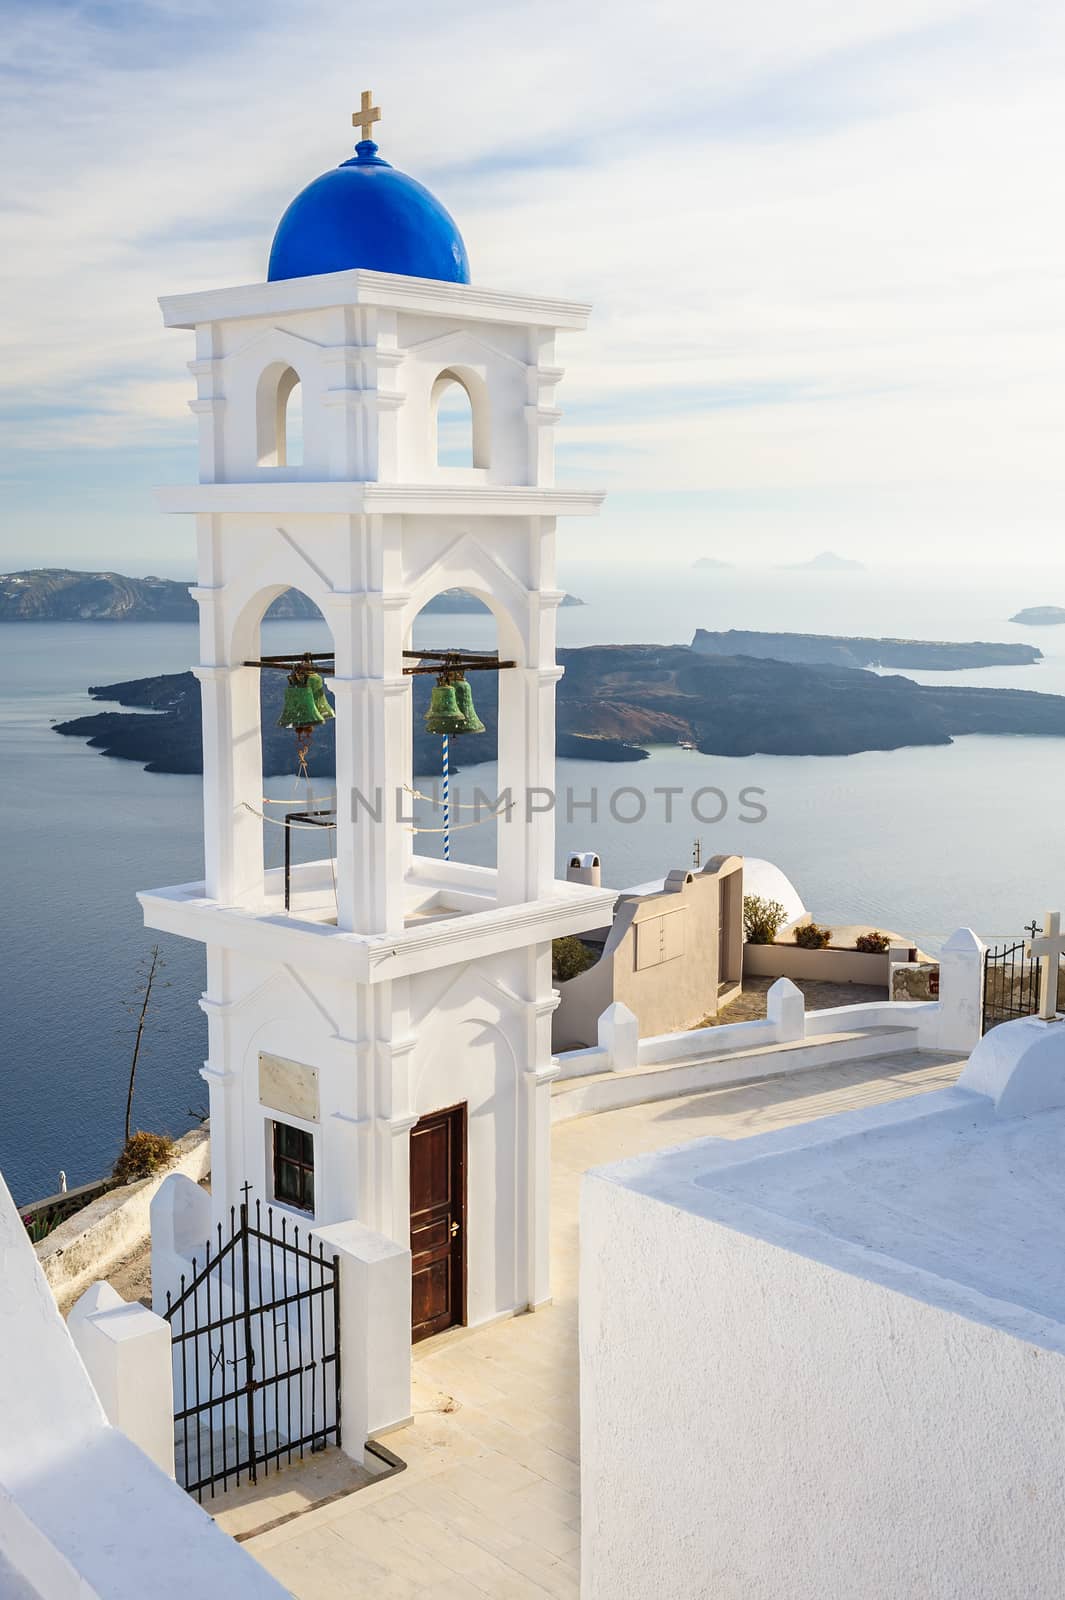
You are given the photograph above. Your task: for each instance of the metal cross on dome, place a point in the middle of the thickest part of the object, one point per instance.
(366, 116)
(1048, 950)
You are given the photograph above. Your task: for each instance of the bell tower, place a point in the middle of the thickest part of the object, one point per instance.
(395, 986)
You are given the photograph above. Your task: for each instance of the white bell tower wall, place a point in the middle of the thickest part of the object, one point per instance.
(369, 376)
(370, 527)
(415, 984)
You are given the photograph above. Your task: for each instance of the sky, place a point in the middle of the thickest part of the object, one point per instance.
(824, 244)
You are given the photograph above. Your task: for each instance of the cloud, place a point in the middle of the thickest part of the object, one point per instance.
(819, 240)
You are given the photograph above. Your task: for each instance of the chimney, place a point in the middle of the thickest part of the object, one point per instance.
(583, 867)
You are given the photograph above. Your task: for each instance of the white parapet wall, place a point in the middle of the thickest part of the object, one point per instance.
(85, 1247)
(84, 1514)
(127, 1353)
(784, 1023)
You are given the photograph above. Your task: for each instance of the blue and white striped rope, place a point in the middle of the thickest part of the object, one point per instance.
(447, 806)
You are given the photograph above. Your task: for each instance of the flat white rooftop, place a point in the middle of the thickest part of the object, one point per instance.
(957, 1193)
(937, 1197)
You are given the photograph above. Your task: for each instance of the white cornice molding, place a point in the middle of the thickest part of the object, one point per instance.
(359, 287)
(263, 934)
(291, 497)
(463, 343)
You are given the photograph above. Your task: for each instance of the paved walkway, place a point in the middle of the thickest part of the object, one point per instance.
(489, 1504)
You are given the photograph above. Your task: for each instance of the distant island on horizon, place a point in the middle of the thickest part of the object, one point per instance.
(61, 594)
(614, 701)
(838, 650)
(827, 561)
(1040, 616)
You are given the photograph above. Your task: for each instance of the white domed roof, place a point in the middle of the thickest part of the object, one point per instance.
(766, 880)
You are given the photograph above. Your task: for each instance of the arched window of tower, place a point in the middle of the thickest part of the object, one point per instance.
(279, 417)
(455, 619)
(290, 443)
(459, 421)
(292, 622)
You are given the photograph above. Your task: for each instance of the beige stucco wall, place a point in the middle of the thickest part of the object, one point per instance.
(661, 958)
(828, 966)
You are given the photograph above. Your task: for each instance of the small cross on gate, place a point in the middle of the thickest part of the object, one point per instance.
(366, 116)
(1048, 951)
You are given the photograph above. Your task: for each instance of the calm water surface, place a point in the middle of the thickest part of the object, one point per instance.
(920, 840)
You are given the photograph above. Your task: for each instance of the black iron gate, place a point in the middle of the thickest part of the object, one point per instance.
(1011, 984)
(256, 1341)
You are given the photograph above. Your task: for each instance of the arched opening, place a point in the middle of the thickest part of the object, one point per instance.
(281, 784)
(453, 809)
(279, 417)
(459, 421)
(290, 442)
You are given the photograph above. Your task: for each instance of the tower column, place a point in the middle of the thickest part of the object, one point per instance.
(224, 1088)
(533, 1266)
(526, 837)
(232, 782)
(373, 717)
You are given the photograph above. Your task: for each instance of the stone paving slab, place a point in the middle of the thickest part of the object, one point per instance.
(489, 1503)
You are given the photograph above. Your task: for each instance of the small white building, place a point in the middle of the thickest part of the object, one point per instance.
(830, 1361)
(380, 1051)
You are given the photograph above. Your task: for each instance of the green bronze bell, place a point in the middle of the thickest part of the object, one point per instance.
(300, 709)
(443, 715)
(321, 699)
(464, 697)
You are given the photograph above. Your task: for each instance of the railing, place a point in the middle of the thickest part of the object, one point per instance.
(1011, 985)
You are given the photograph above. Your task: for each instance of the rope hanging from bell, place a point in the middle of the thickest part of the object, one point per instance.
(451, 710)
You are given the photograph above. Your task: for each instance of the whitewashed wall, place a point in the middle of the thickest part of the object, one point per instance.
(757, 1425)
(443, 1038)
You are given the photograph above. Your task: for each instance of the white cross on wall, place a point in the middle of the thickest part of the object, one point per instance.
(1048, 950)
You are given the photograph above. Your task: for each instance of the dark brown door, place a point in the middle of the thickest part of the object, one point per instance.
(438, 1222)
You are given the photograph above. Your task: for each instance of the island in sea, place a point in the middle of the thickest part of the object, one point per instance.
(1040, 616)
(837, 650)
(613, 702)
(57, 594)
(827, 561)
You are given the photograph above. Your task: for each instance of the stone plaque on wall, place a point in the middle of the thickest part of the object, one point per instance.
(288, 1087)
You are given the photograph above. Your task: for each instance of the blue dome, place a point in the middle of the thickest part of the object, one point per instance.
(366, 214)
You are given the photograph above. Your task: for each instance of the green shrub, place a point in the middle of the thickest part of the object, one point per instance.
(811, 936)
(762, 919)
(569, 958)
(872, 944)
(41, 1223)
(143, 1154)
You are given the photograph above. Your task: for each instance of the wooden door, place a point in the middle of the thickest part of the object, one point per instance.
(438, 1222)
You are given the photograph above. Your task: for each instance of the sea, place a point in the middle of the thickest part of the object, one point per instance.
(918, 840)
